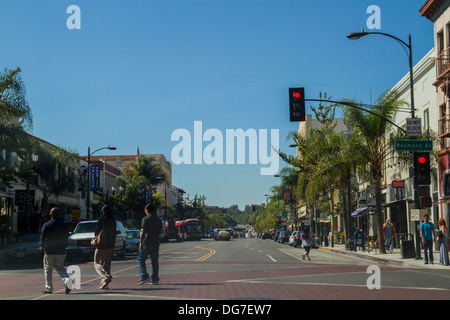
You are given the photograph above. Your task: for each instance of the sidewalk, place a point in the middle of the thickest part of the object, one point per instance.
(393, 259)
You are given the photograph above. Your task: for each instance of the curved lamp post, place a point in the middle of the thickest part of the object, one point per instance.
(88, 200)
(359, 35)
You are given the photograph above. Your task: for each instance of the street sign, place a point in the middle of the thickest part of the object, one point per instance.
(415, 214)
(413, 127)
(398, 184)
(414, 145)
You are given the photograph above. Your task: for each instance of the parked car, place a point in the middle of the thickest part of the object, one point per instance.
(25, 248)
(132, 241)
(80, 240)
(284, 236)
(294, 239)
(275, 236)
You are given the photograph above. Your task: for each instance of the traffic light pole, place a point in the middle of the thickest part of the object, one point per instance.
(358, 106)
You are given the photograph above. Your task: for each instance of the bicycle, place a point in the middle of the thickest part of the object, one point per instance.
(370, 245)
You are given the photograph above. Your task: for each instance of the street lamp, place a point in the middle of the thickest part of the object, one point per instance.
(362, 33)
(88, 200)
(359, 35)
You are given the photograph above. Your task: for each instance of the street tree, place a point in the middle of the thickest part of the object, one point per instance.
(15, 120)
(141, 174)
(372, 127)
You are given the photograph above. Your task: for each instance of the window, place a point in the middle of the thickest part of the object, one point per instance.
(426, 119)
(440, 42)
(447, 185)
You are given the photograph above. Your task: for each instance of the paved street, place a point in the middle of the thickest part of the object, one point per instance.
(238, 269)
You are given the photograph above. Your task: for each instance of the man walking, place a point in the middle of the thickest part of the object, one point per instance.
(427, 233)
(54, 237)
(151, 228)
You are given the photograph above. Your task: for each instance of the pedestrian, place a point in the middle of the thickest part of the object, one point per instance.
(103, 256)
(389, 232)
(442, 241)
(427, 233)
(151, 228)
(307, 242)
(53, 241)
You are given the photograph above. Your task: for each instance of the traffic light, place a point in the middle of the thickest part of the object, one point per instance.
(425, 202)
(253, 208)
(422, 169)
(297, 104)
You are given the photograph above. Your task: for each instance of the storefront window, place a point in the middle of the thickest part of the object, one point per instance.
(447, 185)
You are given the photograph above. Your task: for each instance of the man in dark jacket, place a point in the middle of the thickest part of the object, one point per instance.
(54, 237)
(149, 245)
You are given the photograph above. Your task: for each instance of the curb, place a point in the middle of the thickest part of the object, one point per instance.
(363, 256)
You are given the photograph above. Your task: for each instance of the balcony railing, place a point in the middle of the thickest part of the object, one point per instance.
(443, 65)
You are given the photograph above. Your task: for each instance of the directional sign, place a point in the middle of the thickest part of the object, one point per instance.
(414, 145)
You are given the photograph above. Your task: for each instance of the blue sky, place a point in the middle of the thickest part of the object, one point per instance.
(138, 70)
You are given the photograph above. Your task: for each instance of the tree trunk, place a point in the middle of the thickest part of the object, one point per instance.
(380, 216)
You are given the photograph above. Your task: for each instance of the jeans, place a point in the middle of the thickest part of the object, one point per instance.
(428, 245)
(153, 251)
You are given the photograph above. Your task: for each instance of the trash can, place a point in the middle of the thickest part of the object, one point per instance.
(408, 250)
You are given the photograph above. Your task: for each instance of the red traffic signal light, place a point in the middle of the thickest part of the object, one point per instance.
(425, 202)
(422, 169)
(297, 104)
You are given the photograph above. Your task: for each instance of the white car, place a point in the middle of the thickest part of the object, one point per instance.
(80, 240)
(294, 238)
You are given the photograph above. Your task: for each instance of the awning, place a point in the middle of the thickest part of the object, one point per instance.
(359, 212)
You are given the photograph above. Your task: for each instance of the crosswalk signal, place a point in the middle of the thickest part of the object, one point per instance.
(297, 104)
(425, 202)
(422, 169)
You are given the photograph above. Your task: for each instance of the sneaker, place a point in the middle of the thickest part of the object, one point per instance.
(104, 286)
(309, 258)
(303, 256)
(47, 291)
(153, 283)
(143, 281)
(68, 289)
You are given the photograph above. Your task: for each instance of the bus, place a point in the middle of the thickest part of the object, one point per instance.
(190, 229)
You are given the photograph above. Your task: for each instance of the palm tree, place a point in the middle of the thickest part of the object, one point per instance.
(141, 174)
(371, 129)
(15, 119)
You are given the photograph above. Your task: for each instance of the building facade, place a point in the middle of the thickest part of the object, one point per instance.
(438, 12)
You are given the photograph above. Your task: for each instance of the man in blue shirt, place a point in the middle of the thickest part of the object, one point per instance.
(427, 233)
(149, 245)
(54, 237)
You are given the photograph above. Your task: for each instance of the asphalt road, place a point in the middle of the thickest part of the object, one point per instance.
(239, 269)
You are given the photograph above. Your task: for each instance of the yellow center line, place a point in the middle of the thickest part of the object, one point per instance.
(209, 254)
